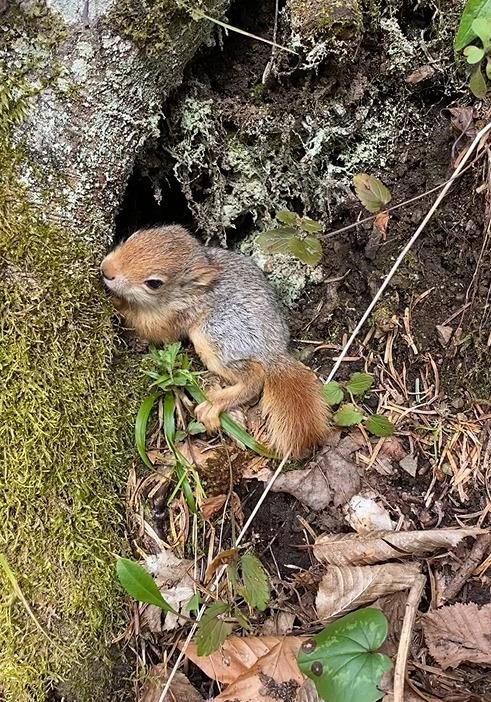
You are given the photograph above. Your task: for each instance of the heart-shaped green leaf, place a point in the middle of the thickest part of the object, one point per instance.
(333, 393)
(342, 660)
(359, 383)
(477, 84)
(371, 192)
(347, 416)
(378, 425)
(474, 54)
(139, 584)
(473, 9)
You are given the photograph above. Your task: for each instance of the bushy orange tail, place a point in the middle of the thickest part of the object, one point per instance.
(293, 407)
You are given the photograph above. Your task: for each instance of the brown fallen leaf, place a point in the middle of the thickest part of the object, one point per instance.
(420, 74)
(307, 692)
(344, 589)
(211, 505)
(239, 654)
(180, 689)
(273, 677)
(280, 624)
(173, 579)
(462, 121)
(394, 607)
(359, 549)
(381, 222)
(329, 479)
(458, 633)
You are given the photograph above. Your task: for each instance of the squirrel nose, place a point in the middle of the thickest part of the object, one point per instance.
(105, 274)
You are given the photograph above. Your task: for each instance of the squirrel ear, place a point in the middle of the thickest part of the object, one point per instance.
(201, 276)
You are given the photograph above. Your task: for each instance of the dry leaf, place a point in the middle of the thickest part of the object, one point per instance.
(444, 333)
(343, 589)
(274, 675)
(420, 74)
(328, 479)
(212, 505)
(381, 222)
(410, 465)
(458, 633)
(180, 689)
(392, 448)
(365, 515)
(278, 625)
(307, 693)
(394, 608)
(371, 192)
(173, 579)
(359, 549)
(462, 121)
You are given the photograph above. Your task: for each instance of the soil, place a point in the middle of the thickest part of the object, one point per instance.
(444, 264)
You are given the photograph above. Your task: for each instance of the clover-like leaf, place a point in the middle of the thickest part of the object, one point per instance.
(371, 192)
(477, 84)
(139, 584)
(378, 425)
(473, 9)
(347, 416)
(308, 250)
(287, 217)
(473, 54)
(212, 631)
(342, 660)
(359, 383)
(196, 428)
(333, 393)
(256, 589)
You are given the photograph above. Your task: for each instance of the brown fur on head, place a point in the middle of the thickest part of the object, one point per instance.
(156, 267)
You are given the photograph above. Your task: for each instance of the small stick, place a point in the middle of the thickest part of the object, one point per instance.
(483, 132)
(412, 605)
(481, 546)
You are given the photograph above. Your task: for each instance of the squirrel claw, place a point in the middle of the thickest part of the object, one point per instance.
(208, 414)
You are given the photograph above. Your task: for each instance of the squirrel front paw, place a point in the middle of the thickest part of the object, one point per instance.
(208, 414)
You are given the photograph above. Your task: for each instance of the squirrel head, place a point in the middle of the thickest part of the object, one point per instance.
(156, 267)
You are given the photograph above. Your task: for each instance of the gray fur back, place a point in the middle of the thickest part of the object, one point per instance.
(246, 321)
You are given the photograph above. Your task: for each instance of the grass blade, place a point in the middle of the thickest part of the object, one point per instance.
(141, 423)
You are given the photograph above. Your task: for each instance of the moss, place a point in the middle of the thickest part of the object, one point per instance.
(64, 439)
(327, 20)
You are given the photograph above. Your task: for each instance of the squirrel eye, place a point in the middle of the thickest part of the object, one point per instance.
(153, 283)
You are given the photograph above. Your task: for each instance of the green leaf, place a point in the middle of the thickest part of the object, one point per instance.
(180, 436)
(488, 68)
(342, 661)
(371, 192)
(276, 241)
(473, 54)
(196, 428)
(193, 604)
(310, 225)
(378, 425)
(359, 383)
(256, 582)
(482, 28)
(139, 584)
(169, 419)
(347, 416)
(212, 631)
(333, 393)
(473, 9)
(287, 217)
(141, 423)
(477, 84)
(308, 250)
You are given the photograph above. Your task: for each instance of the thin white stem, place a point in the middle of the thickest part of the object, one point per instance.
(219, 576)
(405, 250)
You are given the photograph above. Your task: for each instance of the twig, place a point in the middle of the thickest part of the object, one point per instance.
(219, 576)
(330, 235)
(412, 605)
(483, 132)
(479, 550)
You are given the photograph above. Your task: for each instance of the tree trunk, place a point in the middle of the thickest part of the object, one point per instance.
(82, 87)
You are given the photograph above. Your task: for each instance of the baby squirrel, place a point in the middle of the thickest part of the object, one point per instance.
(168, 287)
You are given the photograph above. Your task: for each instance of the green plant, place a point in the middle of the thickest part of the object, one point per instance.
(348, 413)
(170, 371)
(219, 618)
(475, 23)
(342, 660)
(295, 237)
